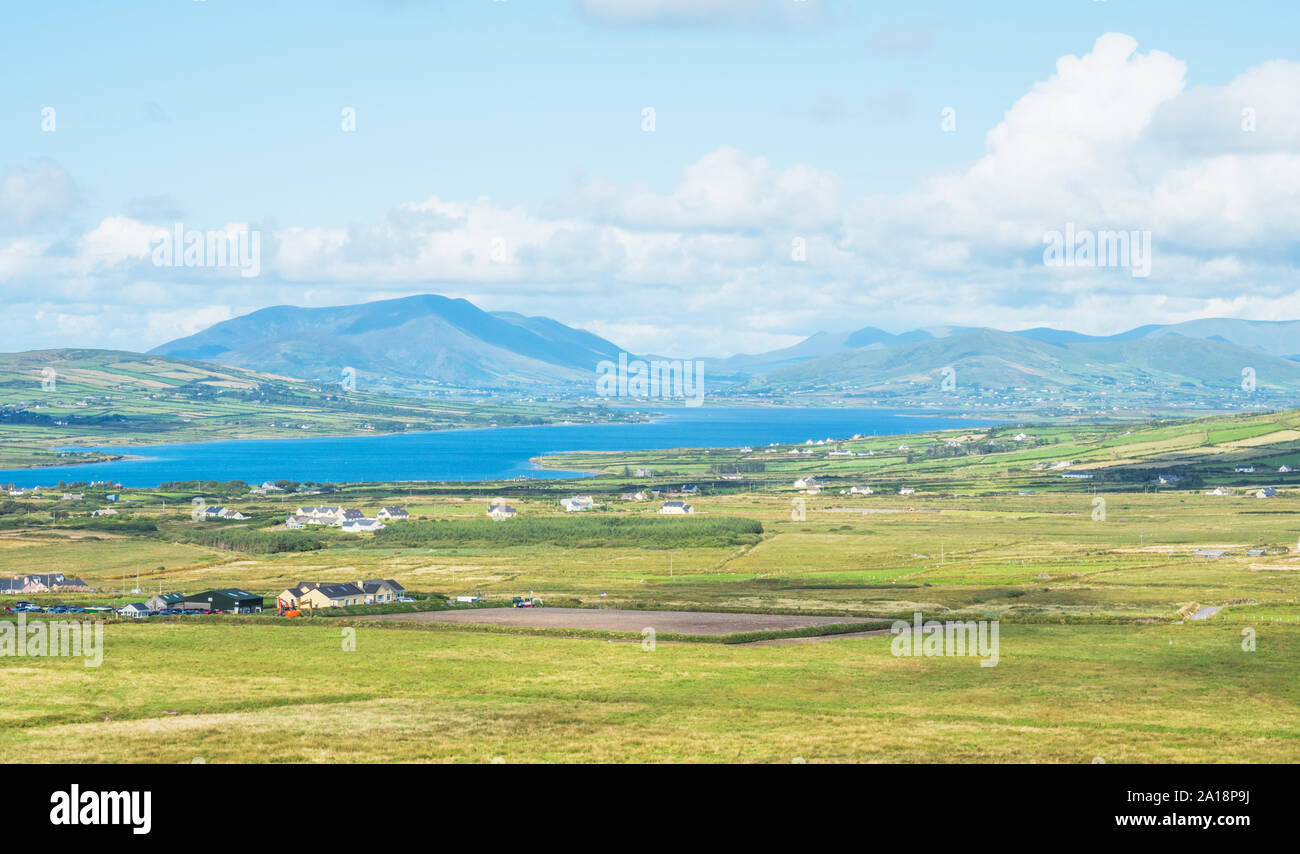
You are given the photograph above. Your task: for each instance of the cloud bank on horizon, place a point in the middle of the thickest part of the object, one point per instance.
(742, 251)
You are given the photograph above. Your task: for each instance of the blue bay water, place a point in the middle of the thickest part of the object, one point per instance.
(472, 455)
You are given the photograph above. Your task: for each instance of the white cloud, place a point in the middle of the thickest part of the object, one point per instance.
(1258, 111)
(36, 196)
(117, 239)
(725, 190)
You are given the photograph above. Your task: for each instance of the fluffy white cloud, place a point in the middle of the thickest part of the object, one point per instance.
(1063, 153)
(725, 190)
(1258, 111)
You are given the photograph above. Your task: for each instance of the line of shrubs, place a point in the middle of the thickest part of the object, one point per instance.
(576, 531)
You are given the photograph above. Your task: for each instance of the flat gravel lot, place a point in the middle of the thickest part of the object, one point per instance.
(613, 620)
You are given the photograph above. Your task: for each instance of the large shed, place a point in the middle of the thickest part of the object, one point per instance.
(227, 599)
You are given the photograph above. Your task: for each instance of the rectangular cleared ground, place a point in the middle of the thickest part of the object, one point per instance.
(614, 620)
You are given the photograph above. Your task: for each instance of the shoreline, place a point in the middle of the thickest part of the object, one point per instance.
(365, 434)
(551, 463)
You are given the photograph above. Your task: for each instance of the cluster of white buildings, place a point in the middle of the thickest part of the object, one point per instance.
(580, 503)
(352, 521)
(217, 512)
(1266, 492)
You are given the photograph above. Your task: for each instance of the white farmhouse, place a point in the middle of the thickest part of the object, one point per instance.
(363, 526)
(500, 512)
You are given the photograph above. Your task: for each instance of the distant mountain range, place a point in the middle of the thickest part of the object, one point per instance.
(452, 342)
(1024, 372)
(1276, 338)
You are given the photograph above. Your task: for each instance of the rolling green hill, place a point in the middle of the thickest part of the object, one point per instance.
(1000, 367)
(55, 398)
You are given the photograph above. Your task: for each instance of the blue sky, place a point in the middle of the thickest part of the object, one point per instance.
(499, 155)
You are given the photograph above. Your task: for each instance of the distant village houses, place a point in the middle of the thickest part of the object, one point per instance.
(577, 503)
(349, 519)
(226, 513)
(362, 526)
(49, 582)
(501, 512)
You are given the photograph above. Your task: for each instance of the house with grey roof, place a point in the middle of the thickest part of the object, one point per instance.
(380, 590)
(43, 583)
(163, 601)
(500, 512)
(323, 594)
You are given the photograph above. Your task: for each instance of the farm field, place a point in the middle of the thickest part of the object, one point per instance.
(1035, 555)
(1091, 581)
(1157, 693)
(614, 620)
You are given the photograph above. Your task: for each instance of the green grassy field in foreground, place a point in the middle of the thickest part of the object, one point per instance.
(291, 694)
